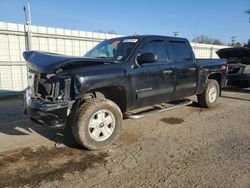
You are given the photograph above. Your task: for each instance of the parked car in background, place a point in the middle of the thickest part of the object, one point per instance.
(238, 65)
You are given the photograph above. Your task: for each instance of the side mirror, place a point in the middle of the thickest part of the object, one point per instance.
(147, 58)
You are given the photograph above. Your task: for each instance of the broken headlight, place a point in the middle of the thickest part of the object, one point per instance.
(54, 88)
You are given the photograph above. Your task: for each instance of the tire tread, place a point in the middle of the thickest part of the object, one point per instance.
(203, 98)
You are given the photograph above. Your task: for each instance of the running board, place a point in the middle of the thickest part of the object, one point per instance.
(164, 108)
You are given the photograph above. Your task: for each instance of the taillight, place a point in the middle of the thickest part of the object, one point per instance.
(224, 68)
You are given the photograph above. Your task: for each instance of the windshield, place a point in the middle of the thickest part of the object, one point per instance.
(115, 49)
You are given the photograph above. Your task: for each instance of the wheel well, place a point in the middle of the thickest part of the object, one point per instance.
(117, 94)
(217, 77)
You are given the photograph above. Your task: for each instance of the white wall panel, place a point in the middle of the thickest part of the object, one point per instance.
(43, 43)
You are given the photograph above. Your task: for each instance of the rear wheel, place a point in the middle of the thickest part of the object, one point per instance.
(210, 95)
(98, 123)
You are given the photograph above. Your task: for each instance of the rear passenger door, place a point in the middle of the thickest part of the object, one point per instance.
(186, 68)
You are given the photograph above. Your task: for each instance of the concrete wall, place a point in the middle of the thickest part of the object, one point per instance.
(13, 41)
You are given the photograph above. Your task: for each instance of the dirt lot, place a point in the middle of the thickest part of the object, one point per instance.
(186, 147)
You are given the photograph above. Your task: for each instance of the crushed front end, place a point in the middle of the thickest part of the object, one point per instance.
(47, 100)
(238, 73)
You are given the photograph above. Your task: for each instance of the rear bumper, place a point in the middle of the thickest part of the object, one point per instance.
(45, 113)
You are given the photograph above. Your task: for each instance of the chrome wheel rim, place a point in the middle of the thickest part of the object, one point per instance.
(212, 94)
(101, 125)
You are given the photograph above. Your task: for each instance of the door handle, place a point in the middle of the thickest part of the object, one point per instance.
(168, 71)
(192, 69)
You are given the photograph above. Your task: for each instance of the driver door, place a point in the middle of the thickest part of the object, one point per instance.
(153, 83)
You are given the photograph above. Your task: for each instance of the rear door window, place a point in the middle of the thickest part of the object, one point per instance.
(157, 47)
(180, 50)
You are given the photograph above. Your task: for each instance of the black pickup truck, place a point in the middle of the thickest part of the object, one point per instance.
(92, 94)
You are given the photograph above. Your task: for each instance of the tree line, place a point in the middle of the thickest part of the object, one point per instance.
(208, 40)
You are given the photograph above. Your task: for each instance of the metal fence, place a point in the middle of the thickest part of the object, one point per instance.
(13, 41)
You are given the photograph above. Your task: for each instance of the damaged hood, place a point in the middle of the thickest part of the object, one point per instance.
(49, 62)
(235, 55)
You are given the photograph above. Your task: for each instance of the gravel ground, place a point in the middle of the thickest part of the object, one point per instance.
(185, 147)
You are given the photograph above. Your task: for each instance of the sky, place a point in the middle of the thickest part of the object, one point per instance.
(219, 19)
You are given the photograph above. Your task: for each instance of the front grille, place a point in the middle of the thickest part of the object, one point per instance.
(233, 70)
(47, 87)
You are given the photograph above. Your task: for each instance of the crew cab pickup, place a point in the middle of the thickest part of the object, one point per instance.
(93, 93)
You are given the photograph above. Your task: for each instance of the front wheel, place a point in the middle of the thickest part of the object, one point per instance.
(210, 95)
(98, 123)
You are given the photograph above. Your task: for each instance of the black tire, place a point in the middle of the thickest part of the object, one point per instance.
(203, 99)
(86, 112)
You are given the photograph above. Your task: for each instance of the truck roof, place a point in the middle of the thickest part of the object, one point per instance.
(152, 36)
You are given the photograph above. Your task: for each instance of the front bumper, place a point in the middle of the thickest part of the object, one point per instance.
(237, 78)
(44, 112)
